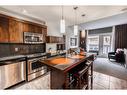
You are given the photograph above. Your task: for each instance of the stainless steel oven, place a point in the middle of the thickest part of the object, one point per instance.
(35, 68)
(32, 37)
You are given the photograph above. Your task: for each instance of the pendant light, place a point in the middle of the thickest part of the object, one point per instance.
(62, 22)
(83, 33)
(75, 24)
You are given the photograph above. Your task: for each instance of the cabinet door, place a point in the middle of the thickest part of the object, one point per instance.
(59, 40)
(15, 31)
(32, 28)
(26, 27)
(38, 29)
(44, 32)
(4, 31)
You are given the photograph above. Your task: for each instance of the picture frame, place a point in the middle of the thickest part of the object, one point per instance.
(73, 41)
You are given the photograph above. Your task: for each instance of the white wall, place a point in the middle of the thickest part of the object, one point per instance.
(70, 34)
(101, 23)
(53, 29)
(106, 22)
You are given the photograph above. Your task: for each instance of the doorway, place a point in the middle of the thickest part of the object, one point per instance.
(99, 43)
(104, 45)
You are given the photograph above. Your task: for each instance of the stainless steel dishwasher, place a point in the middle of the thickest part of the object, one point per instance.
(12, 72)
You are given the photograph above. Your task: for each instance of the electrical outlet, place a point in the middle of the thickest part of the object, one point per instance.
(16, 49)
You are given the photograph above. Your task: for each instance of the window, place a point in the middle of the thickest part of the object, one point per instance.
(93, 43)
(106, 44)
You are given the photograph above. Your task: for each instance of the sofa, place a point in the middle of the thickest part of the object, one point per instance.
(118, 56)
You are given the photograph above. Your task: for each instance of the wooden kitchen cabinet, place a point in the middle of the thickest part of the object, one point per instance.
(36, 29)
(15, 31)
(4, 32)
(44, 32)
(26, 27)
(39, 29)
(29, 27)
(54, 39)
(11, 29)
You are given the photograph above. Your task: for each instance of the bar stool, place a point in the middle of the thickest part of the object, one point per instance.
(82, 78)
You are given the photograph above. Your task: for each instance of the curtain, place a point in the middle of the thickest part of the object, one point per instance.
(121, 36)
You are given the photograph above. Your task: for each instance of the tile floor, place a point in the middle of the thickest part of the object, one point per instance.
(106, 82)
(100, 82)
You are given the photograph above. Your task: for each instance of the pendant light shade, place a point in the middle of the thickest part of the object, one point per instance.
(75, 30)
(75, 24)
(62, 22)
(62, 26)
(83, 33)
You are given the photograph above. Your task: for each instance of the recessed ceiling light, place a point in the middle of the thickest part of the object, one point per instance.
(24, 11)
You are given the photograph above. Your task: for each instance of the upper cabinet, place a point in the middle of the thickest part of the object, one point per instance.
(26, 27)
(11, 29)
(54, 39)
(44, 33)
(34, 28)
(4, 32)
(15, 31)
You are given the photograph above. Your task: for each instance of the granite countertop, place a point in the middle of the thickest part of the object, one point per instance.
(65, 63)
(11, 57)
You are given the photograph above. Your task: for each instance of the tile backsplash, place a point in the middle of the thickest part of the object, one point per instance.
(8, 49)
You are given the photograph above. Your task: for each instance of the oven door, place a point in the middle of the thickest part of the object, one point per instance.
(35, 65)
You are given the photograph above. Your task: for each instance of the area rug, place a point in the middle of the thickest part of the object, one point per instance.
(103, 65)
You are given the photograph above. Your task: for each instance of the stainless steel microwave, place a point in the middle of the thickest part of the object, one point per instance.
(32, 37)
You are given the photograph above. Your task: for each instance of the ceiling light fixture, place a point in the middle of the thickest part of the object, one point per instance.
(83, 33)
(24, 11)
(75, 24)
(62, 22)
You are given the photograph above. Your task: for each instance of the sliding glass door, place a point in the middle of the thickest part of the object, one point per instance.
(93, 43)
(100, 44)
(105, 45)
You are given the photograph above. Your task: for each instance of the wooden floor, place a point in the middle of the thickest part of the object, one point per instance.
(105, 82)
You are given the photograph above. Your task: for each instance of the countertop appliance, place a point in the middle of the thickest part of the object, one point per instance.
(12, 72)
(32, 37)
(34, 67)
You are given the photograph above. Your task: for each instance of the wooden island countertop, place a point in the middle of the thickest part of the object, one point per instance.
(60, 66)
(65, 63)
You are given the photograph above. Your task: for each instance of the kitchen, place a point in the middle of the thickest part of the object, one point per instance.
(27, 57)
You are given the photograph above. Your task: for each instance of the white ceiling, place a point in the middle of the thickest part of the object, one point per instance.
(53, 13)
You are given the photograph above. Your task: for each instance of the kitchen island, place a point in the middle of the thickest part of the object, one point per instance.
(70, 71)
